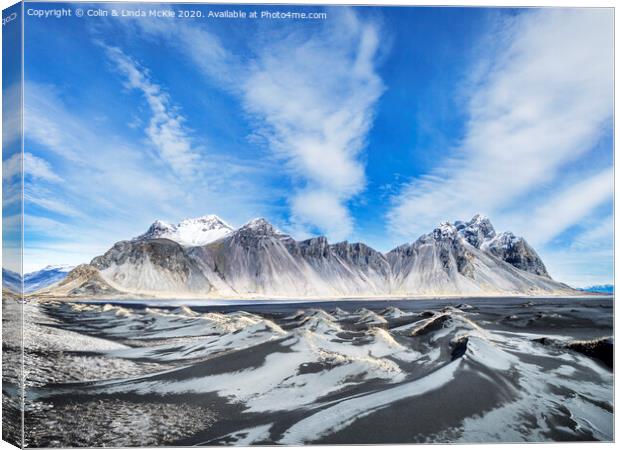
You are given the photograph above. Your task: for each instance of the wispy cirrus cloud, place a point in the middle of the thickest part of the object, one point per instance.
(12, 166)
(34, 169)
(543, 99)
(599, 235)
(107, 172)
(316, 116)
(165, 130)
(33, 166)
(39, 168)
(36, 195)
(569, 205)
(311, 98)
(104, 187)
(208, 53)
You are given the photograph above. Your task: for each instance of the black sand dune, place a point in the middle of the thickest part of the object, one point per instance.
(484, 370)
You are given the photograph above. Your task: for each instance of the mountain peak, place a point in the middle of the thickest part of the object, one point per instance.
(479, 218)
(210, 220)
(161, 225)
(257, 221)
(445, 230)
(260, 225)
(58, 267)
(189, 232)
(478, 230)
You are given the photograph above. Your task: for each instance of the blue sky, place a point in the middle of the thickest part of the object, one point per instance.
(374, 124)
(11, 144)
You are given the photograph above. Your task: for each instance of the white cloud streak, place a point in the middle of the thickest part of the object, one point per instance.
(544, 100)
(111, 189)
(33, 166)
(165, 130)
(39, 168)
(569, 206)
(204, 49)
(597, 236)
(12, 166)
(311, 97)
(102, 173)
(101, 187)
(316, 116)
(35, 194)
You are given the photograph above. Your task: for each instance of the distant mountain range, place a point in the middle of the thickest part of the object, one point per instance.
(11, 281)
(599, 289)
(35, 280)
(206, 257)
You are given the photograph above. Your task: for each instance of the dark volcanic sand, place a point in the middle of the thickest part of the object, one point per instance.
(462, 370)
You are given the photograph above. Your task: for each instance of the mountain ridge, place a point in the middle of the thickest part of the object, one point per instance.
(189, 232)
(257, 259)
(36, 280)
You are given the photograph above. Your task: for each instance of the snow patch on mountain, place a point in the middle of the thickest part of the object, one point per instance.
(11, 280)
(477, 231)
(45, 277)
(36, 280)
(189, 232)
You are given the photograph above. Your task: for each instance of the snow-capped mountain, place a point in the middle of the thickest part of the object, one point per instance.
(189, 232)
(11, 280)
(477, 231)
(447, 261)
(35, 281)
(599, 289)
(512, 249)
(461, 258)
(517, 252)
(45, 277)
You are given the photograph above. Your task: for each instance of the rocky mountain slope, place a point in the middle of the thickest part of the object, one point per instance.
(84, 280)
(461, 258)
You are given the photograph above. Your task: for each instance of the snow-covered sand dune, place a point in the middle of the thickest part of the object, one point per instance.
(347, 372)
